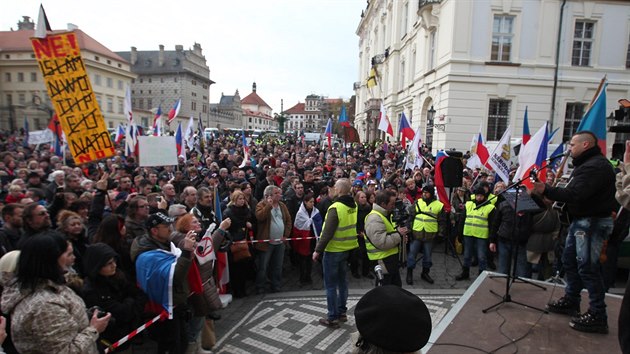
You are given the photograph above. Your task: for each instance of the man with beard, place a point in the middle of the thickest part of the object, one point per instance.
(429, 221)
(11, 231)
(35, 219)
(204, 211)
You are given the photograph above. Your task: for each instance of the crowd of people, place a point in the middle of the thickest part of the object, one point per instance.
(98, 235)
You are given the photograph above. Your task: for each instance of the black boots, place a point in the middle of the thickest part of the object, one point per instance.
(426, 277)
(409, 276)
(465, 275)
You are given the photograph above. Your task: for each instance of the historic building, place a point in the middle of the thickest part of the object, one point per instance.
(453, 66)
(257, 114)
(165, 76)
(23, 92)
(227, 113)
(312, 115)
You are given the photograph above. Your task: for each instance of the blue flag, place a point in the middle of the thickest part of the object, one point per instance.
(25, 142)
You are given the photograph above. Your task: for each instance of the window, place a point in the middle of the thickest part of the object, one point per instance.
(204, 108)
(194, 82)
(120, 84)
(149, 102)
(431, 50)
(110, 104)
(250, 119)
(33, 77)
(572, 118)
(99, 99)
(145, 121)
(502, 38)
(175, 79)
(628, 56)
(141, 103)
(97, 80)
(161, 80)
(9, 99)
(193, 106)
(7, 77)
(498, 118)
(120, 106)
(110, 82)
(582, 43)
(21, 98)
(405, 19)
(111, 124)
(20, 77)
(97, 58)
(402, 74)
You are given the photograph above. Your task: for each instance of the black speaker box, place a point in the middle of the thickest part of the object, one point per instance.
(452, 171)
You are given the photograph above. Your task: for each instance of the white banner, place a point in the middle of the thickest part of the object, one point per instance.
(500, 157)
(157, 151)
(40, 137)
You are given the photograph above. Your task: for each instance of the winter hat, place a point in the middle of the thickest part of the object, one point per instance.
(96, 256)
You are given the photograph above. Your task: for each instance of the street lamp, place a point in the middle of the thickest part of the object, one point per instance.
(429, 129)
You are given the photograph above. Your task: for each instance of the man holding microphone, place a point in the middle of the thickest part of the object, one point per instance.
(383, 238)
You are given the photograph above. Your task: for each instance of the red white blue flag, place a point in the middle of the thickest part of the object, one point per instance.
(405, 130)
(174, 111)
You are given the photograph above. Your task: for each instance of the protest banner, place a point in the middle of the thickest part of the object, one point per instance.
(40, 137)
(157, 151)
(68, 85)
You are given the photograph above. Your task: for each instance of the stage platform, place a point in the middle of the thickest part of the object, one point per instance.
(515, 328)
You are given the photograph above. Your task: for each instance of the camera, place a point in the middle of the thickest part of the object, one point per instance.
(100, 313)
(400, 215)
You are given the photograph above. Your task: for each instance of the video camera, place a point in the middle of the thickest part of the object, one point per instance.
(400, 215)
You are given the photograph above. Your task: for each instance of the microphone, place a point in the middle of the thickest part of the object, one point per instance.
(379, 272)
(551, 158)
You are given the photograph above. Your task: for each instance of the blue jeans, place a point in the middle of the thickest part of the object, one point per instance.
(335, 266)
(478, 245)
(581, 260)
(272, 258)
(505, 250)
(414, 249)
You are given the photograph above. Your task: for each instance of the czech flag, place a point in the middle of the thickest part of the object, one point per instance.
(595, 118)
(179, 140)
(439, 180)
(174, 111)
(526, 134)
(533, 155)
(383, 122)
(223, 271)
(328, 132)
(120, 133)
(405, 130)
(156, 124)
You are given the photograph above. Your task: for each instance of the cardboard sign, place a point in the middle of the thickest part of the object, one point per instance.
(71, 94)
(157, 151)
(40, 137)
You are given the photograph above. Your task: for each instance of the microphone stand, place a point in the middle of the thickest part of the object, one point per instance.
(511, 276)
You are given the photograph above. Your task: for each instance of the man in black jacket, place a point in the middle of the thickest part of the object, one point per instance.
(590, 199)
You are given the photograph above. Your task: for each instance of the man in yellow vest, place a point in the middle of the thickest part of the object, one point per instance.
(338, 238)
(429, 221)
(383, 238)
(477, 225)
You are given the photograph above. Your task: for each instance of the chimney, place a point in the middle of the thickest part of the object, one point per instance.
(161, 56)
(179, 47)
(133, 58)
(26, 24)
(254, 87)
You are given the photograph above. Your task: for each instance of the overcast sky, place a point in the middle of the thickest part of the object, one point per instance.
(291, 48)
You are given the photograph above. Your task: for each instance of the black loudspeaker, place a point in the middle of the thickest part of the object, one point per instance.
(618, 150)
(452, 171)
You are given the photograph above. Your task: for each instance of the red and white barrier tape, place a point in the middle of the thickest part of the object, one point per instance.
(282, 239)
(133, 333)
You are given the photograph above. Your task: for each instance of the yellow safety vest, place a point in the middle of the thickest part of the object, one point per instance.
(422, 221)
(345, 237)
(373, 252)
(476, 223)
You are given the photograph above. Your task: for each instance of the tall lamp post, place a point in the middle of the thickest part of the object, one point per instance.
(429, 130)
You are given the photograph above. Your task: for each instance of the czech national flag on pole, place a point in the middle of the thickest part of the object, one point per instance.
(533, 155)
(174, 111)
(223, 272)
(439, 180)
(526, 134)
(343, 118)
(156, 123)
(179, 140)
(328, 132)
(120, 133)
(595, 118)
(405, 130)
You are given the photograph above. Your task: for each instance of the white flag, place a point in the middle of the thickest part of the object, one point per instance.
(130, 133)
(500, 157)
(414, 154)
(383, 122)
(189, 134)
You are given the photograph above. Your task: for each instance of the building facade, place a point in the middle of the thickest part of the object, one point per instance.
(453, 66)
(227, 113)
(312, 115)
(165, 76)
(257, 114)
(23, 94)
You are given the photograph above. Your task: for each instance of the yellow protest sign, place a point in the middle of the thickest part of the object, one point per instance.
(71, 94)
